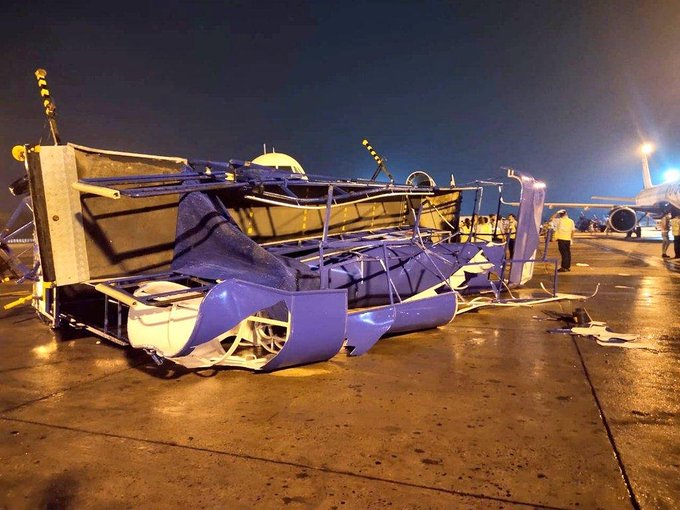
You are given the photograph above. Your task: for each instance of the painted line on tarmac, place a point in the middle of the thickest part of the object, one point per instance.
(617, 454)
(299, 465)
(64, 390)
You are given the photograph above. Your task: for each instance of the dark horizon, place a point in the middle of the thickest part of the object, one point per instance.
(563, 91)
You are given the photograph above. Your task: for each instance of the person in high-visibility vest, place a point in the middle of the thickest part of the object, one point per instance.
(484, 232)
(465, 227)
(675, 229)
(564, 229)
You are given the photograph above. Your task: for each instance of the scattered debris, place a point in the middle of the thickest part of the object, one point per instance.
(18, 302)
(580, 323)
(482, 301)
(600, 331)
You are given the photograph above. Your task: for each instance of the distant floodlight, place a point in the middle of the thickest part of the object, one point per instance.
(647, 148)
(671, 175)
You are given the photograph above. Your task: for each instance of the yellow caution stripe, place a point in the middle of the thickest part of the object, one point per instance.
(371, 151)
(41, 76)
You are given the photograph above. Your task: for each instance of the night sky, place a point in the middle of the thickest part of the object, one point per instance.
(562, 90)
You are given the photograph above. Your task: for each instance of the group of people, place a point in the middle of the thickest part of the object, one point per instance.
(670, 224)
(490, 229)
(562, 227)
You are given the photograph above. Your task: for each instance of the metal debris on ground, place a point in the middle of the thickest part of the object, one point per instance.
(580, 323)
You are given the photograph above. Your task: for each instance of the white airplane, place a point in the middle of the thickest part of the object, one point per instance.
(653, 200)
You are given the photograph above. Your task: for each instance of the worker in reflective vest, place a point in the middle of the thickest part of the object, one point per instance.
(484, 231)
(564, 229)
(465, 227)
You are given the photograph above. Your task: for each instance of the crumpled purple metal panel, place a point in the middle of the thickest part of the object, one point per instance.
(496, 255)
(230, 302)
(412, 270)
(366, 327)
(317, 330)
(426, 313)
(209, 245)
(528, 225)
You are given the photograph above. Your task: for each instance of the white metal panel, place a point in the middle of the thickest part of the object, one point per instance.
(58, 168)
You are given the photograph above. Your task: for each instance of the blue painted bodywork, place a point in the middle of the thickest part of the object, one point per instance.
(294, 301)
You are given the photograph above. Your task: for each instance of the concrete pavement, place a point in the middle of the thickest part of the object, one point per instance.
(490, 411)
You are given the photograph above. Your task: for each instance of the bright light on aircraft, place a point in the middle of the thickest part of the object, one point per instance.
(671, 175)
(647, 148)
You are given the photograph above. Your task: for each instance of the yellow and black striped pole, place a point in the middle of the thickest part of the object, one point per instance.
(378, 159)
(48, 104)
(372, 152)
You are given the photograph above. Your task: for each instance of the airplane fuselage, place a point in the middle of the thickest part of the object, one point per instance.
(659, 196)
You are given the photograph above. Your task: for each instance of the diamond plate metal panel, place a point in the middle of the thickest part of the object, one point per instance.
(64, 214)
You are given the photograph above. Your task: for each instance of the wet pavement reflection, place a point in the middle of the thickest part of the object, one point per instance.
(490, 411)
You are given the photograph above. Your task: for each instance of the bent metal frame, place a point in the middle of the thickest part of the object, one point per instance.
(210, 263)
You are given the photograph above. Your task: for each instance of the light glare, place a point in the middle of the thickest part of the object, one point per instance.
(671, 175)
(647, 148)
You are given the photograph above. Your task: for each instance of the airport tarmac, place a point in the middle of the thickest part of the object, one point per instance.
(491, 411)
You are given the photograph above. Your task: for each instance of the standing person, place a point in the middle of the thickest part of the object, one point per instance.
(675, 228)
(494, 226)
(465, 228)
(511, 233)
(665, 226)
(483, 230)
(502, 230)
(564, 229)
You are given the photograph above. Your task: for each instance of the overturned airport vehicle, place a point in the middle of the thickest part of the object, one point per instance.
(233, 263)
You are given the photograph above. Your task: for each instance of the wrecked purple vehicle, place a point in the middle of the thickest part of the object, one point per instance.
(232, 263)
